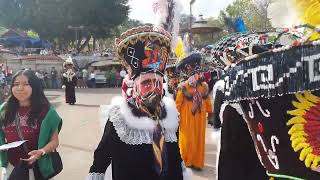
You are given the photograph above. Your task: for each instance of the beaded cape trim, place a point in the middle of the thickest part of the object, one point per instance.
(275, 73)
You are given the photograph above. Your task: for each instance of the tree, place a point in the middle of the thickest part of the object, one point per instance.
(32, 34)
(127, 24)
(185, 21)
(50, 18)
(262, 6)
(254, 14)
(2, 30)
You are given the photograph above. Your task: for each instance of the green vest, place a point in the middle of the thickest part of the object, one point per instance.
(51, 123)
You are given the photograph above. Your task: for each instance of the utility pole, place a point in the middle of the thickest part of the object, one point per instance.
(190, 25)
(190, 19)
(76, 28)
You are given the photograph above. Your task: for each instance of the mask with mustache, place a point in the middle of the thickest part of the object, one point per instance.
(147, 92)
(153, 100)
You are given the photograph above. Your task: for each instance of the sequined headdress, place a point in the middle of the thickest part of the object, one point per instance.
(144, 49)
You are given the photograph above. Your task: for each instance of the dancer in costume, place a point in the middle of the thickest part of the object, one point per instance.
(276, 90)
(69, 82)
(139, 138)
(281, 108)
(236, 146)
(193, 103)
(172, 82)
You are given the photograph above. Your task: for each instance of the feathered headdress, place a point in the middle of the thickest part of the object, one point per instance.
(143, 49)
(68, 62)
(288, 13)
(168, 17)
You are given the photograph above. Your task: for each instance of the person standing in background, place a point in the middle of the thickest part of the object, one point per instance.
(40, 75)
(46, 79)
(123, 74)
(69, 82)
(85, 78)
(193, 103)
(54, 74)
(113, 79)
(80, 79)
(92, 79)
(107, 75)
(118, 79)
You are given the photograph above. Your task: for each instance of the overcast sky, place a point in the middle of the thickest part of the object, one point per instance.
(142, 9)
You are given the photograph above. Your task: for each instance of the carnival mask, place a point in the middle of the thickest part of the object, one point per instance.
(148, 90)
(69, 70)
(194, 79)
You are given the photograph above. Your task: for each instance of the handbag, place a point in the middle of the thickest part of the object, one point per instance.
(56, 163)
(55, 157)
(20, 171)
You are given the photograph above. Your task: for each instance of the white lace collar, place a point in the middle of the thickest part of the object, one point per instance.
(69, 75)
(138, 130)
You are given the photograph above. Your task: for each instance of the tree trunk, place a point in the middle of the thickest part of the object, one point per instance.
(60, 44)
(72, 44)
(94, 43)
(84, 44)
(88, 46)
(78, 43)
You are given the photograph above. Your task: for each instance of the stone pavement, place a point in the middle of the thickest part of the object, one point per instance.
(81, 133)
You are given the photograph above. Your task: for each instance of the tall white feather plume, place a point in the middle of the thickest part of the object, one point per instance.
(282, 13)
(160, 8)
(176, 24)
(168, 17)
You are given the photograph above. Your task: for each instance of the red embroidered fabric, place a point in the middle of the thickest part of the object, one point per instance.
(30, 133)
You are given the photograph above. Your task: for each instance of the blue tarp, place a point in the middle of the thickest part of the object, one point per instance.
(26, 42)
(239, 25)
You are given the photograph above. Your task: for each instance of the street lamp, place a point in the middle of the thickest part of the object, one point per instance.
(190, 25)
(76, 28)
(190, 18)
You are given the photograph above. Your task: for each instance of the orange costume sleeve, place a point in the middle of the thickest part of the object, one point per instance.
(179, 100)
(208, 104)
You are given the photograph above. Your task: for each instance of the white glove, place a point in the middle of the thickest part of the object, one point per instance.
(187, 172)
(4, 174)
(63, 86)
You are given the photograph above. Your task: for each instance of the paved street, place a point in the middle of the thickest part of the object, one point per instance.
(81, 132)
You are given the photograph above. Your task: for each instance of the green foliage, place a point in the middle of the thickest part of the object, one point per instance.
(254, 16)
(51, 18)
(185, 21)
(3, 30)
(127, 24)
(32, 34)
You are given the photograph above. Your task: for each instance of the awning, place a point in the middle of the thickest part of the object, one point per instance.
(105, 63)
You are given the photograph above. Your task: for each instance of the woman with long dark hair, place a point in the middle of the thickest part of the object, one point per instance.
(28, 110)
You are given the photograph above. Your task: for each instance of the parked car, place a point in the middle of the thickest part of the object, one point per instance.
(101, 80)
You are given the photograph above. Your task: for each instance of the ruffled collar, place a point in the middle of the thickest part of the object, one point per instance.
(136, 130)
(69, 75)
(170, 121)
